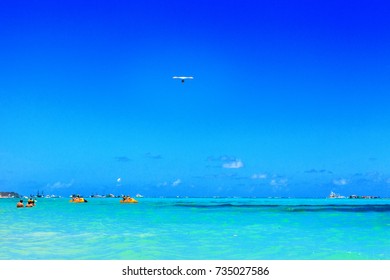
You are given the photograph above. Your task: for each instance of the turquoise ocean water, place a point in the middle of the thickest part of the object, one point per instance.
(196, 228)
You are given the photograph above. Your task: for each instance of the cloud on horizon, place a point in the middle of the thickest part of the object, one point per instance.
(153, 156)
(176, 182)
(279, 182)
(233, 164)
(225, 161)
(122, 159)
(223, 158)
(341, 182)
(163, 184)
(59, 185)
(316, 171)
(259, 176)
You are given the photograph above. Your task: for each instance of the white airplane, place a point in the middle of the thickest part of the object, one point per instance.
(183, 78)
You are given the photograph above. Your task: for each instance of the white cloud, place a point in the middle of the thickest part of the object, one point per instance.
(278, 182)
(164, 184)
(153, 156)
(259, 176)
(233, 164)
(176, 183)
(223, 158)
(341, 182)
(60, 185)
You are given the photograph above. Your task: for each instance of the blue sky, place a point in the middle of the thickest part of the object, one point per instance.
(290, 98)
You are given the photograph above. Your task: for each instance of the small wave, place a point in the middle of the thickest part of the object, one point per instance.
(296, 208)
(42, 234)
(225, 205)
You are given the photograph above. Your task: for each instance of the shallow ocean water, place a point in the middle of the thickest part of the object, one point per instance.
(196, 228)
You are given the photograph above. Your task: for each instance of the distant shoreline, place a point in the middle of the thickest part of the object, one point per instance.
(352, 197)
(9, 195)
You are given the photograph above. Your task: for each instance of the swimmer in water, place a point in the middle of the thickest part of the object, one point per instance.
(20, 204)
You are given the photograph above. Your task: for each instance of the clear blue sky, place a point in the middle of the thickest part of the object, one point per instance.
(289, 98)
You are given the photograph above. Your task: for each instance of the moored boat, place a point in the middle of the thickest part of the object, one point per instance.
(335, 195)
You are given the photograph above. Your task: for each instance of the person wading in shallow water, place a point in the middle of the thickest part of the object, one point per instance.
(20, 204)
(30, 203)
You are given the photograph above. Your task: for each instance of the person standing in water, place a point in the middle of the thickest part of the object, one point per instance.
(30, 203)
(20, 204)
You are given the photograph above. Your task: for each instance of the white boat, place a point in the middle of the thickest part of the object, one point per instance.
(139, 195)
(335, 195)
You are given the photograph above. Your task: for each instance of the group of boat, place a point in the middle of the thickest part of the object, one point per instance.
(125, 199)
(334, 195)
(111, 196)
